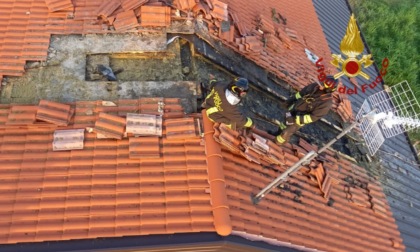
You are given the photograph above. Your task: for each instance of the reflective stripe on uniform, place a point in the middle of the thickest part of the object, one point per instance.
(280, 139)
(307, 119)
(298, 120)
(248, 122)
(282, 126)
(209, 95)
(211, 110)
(298, 96)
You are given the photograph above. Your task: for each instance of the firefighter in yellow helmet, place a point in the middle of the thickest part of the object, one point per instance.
(305, 107)
(222, 102)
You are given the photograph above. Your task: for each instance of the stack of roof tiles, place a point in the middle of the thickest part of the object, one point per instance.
(176, 184)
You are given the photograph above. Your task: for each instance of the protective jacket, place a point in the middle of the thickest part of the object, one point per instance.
(310, 104)
(220, 110)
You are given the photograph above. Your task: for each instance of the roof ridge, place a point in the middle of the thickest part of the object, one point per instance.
(218, 195)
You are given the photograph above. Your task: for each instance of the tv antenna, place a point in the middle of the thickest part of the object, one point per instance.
(382, 115)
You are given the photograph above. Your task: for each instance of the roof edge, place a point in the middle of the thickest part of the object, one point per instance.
(274, 242)
(220, 207)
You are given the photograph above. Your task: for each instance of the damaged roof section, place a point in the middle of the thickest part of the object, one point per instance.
(27, 32)
(273, 35)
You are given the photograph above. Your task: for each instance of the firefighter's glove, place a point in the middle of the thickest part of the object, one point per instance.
(290, 120)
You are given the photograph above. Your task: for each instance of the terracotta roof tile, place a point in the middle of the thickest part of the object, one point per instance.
(132, 4)
(243, 31)
(110, 126)
(142, 124)
(227, 35)
(168, 107)
(85, 12)
(68, 139)
(209, 3)
(128, 106)
(125, 21)
(101, 189)
(56, 5)
(327, 185)
(155, 15)
(220, 10)
(144, 147)
(181, 128)
(108, 7)
(54, 112)
(20, 114)
(265, 24)
(185, 4)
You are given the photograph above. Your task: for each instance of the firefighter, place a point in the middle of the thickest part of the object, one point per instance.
(305, 107)
(222, 103)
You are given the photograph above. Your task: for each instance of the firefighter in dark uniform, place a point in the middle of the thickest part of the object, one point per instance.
(305, 107)
(222, 103)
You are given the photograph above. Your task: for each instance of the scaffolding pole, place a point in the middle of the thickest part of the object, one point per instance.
(294, 168)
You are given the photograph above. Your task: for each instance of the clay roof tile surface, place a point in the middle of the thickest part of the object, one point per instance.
(185, 4)
(220, 10)
(155, 15)
(300, 211)
(132, 4)
(108, 7)
(57, 5)
(125, 21)
(105, 185)
(54, 112)
(110, 126)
